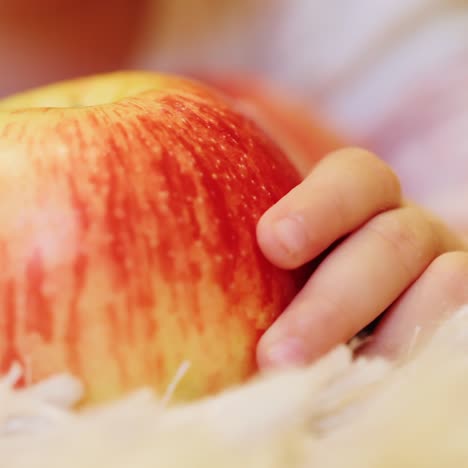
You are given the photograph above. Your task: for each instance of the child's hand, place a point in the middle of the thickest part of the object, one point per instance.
(389, 256)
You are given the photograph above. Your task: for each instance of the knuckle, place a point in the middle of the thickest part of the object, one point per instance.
(355, 153)
(390, 183)
(335, 314)
(358, 157)
(449, 272)
(451, 261)
(385, 178)
(409, 235)
(383, 175)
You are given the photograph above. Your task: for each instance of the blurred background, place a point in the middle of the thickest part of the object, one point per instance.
(391, 75)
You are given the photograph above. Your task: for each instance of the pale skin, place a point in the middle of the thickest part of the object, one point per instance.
(383, 254)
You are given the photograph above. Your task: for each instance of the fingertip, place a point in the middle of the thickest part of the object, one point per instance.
(275, 352)
(265, 238)
(282, 240)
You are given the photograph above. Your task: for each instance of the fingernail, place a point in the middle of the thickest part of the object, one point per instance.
(291, 235)
(289, 352)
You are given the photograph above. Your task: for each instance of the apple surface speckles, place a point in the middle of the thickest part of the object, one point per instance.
(137, 247)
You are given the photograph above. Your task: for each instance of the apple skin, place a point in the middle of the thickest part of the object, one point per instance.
(128, 210)
(302, 134)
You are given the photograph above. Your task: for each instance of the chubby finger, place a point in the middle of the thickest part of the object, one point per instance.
(360, 279)
(343, 191)
(440, 292)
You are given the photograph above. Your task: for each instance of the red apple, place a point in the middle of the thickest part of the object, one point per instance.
(301, 134)
(128, 208)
